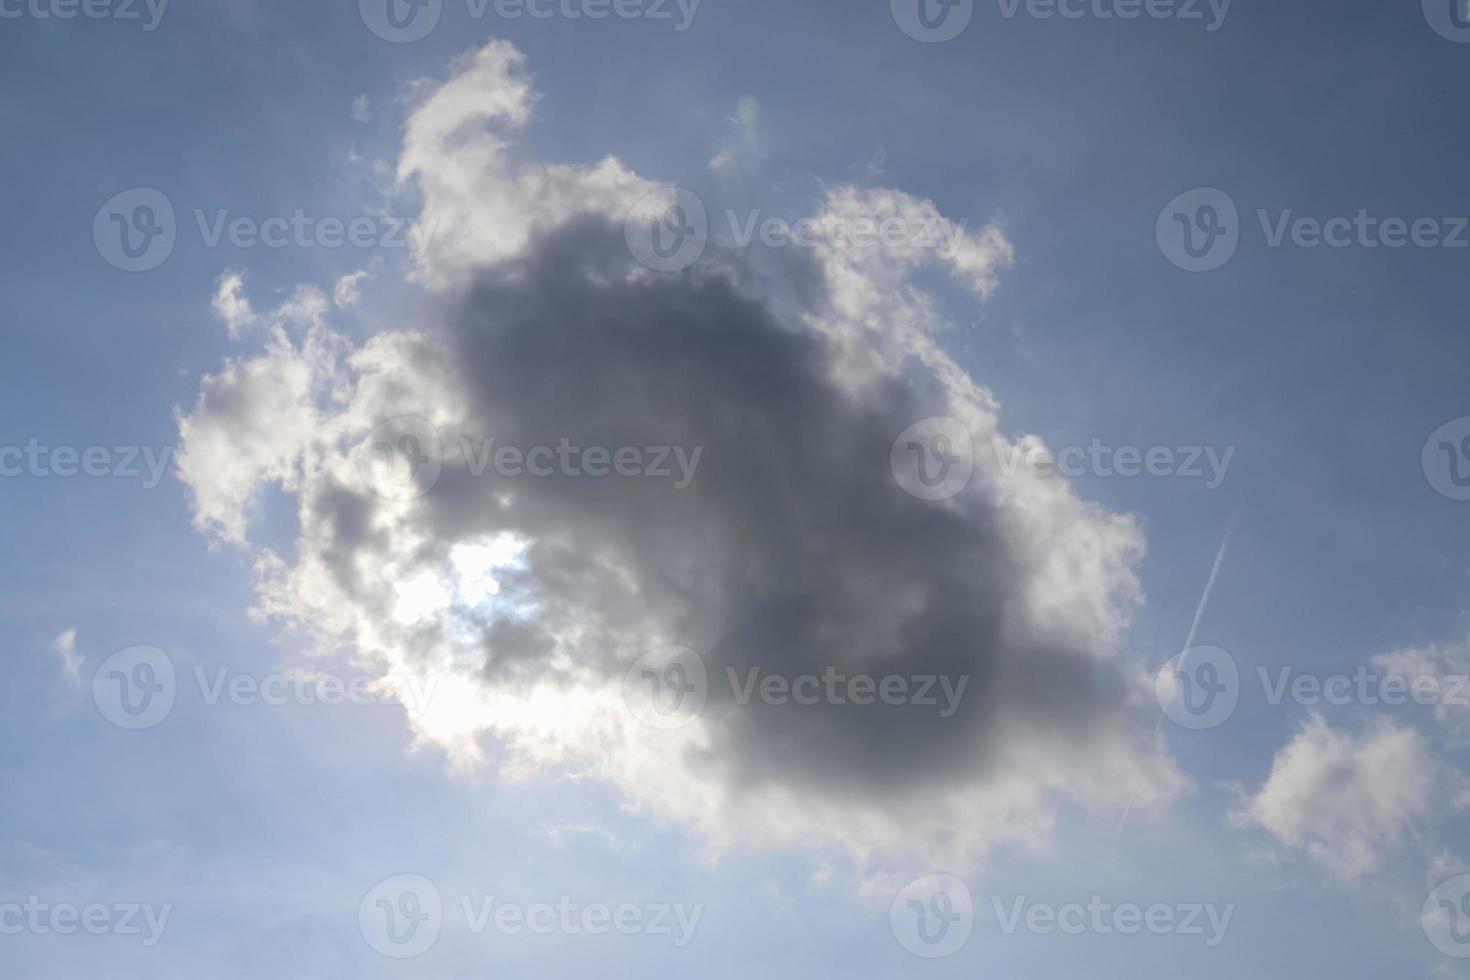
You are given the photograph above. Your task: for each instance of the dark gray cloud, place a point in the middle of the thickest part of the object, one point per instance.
(792, 550)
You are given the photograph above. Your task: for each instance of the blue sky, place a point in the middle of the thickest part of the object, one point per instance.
(1054, 144)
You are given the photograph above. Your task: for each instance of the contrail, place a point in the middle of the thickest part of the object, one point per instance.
(1209, 587)
(1199, 612)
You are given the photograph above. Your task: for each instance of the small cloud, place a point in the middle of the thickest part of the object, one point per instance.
(1443, 671)
(65, 647)
(875, 166)
(362, 109)
(778, 897)
(559, 833)
(744, 142)
(230, 303)
(349, 289)
(1346, 800)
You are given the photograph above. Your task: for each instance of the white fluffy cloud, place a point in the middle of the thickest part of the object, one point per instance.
(1444, 669)
(256, 420)
(480, 203)
(1348, 801)
(525, 603)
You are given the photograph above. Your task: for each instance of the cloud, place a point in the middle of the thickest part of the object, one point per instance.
(65, 647)
(1439, 672)
(362, 109)
(481, 204)
(348, 290)
(875, 166)
(793, 550)
(230, 304)
(743, 145)
(1347, 801)
(255, 422)
(560, 833)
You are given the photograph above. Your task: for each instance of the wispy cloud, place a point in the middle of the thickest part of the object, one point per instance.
(65, 648)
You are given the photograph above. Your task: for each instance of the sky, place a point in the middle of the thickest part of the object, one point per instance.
(624, 488)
